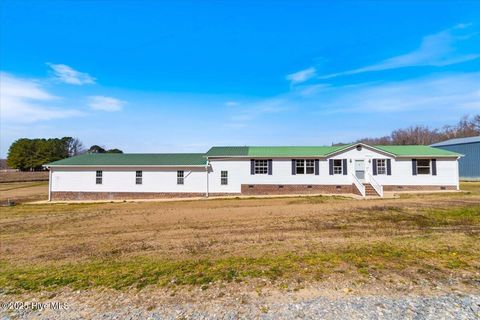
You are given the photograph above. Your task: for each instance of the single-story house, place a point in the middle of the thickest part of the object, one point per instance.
(357, 168)
(469, 164)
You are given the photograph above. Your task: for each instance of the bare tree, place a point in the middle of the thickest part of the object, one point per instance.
(75, 147)
(423, 135)
(476, 122)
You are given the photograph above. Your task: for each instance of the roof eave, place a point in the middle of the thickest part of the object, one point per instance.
(124, 165)
(268, 156)
(431, 156)
(328, 155)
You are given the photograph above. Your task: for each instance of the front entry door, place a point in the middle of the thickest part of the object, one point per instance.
(360, 169)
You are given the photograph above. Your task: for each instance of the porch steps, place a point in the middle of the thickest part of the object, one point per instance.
(370, 191)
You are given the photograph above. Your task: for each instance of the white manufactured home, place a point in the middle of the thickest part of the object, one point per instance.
(358, 168)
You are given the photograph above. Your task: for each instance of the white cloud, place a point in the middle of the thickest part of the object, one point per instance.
(435, 50)
(26, 101)
(231, 103)
(437, 94)
(69, 75)
(103, 103)
(423, 98)
(302, 75)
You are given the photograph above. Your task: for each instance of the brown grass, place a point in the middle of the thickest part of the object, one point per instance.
(416, 236)
(23, 191)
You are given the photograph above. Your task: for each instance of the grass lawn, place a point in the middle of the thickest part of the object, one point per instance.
(416, 238)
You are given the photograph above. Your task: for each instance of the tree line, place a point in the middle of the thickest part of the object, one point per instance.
(31, 154)
(423, 135)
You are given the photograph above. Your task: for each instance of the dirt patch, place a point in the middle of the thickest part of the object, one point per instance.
(427, 237)
(20, 192)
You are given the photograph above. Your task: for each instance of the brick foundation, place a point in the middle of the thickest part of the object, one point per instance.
(255, 189)
(418, 188)
(66, 195)
(265, 189)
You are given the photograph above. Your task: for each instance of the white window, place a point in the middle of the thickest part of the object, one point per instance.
(300, 166)
(224, 178)
(305, 166)
(381, 166)
(180, 177)
(310, 166)
(261, 166)
(337, 166)
(423, 166)
(99, 177)
(138, 177)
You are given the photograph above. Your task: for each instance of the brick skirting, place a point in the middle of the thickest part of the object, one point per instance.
(263, 189)
(255, 189)
(418, 188)
(67, 195)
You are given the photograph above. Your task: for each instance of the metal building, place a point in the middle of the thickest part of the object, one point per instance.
(469, 165)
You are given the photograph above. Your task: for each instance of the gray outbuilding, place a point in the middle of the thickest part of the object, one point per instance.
(469, 164)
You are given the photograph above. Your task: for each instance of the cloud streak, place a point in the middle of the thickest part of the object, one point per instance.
(302, 75)
(435, 50)
(104, 103)
(26, 101)
(67, 74)
(436, 94)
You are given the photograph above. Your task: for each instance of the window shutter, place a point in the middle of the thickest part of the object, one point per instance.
(252, 166)
(294, 164)
(434, 167)
(374, 163)
(330, 167)
(270, 167)
(345, 167)
(317, 167)
(414, 167)
(389, 167)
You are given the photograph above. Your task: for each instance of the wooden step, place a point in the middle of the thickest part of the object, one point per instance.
(370, 190)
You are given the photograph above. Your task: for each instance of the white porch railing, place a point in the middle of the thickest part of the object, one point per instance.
(359, 185)
(377, 186)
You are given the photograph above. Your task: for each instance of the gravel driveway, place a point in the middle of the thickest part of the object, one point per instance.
(452, 306)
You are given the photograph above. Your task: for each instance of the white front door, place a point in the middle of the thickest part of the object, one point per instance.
(360, 169)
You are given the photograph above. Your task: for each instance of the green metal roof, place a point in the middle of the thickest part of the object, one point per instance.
(198, 159)
(403, 151)
(133, 159)
(227, 151)
(314, 151)
(322, 151)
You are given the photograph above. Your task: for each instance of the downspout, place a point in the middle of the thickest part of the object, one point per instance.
(206, 170)
(49, 184)
(458, 174)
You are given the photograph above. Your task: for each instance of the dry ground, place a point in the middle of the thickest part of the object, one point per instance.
(416, 240)
(23, 191)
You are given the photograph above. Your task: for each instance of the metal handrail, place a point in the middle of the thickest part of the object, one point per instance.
(377, 186)
(359, 185)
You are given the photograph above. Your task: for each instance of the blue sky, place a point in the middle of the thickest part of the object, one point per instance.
(175, 76)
